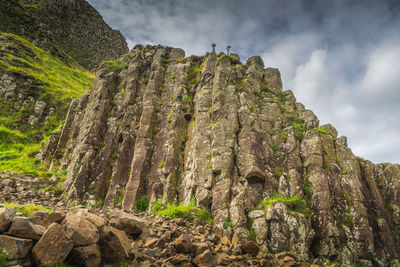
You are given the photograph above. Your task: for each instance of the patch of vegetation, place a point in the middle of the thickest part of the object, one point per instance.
(308, 190)
(283, 135)
(161, 165)
(189, 212)
(114, 65)
(298, 129)
(251, 109)
(227, 56)
(348, 221)
(295, 204)
(52, 82)
(265, 89)
(27, 210)
(142, 203)
(345, 171)
(322, 130)
(99, 204)
(360, 159)
(278, 171)
(157, 206)
(274, 147)
(3, 258)
(227, 224)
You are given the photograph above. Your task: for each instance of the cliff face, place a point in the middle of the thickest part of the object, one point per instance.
(64, 27)
(171, 128)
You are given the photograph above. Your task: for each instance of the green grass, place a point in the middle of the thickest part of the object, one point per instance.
(114, 65)
(278, 171)
(227, 224)
(189, 211)
(295, 204)
(142, 203)
(348, 221)
(52, 82)
(322, 130)
(298, 129)
(27, 210)
(3, 258)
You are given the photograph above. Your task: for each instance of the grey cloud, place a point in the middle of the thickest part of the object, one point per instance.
(339, 57)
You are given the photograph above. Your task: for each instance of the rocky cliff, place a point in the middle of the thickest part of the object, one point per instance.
(66, 28)
(159, 126)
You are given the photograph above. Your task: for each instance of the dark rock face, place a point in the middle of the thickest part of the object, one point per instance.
(66, 28)
(226, 135)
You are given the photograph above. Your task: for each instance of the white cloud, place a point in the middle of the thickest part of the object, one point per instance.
(341, 58)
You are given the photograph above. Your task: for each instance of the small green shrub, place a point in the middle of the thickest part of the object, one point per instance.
(189, 211)
(114, 65)
(295, 204)
(345, 171)
(278, 171)
(3, 257)
(283, 135)
(298, 129)
(27, 210)
(157, 206)
(265, 88)
(227, 224)
(161, 165)
(99, 204)
(142, 203)
(348, 221)
(321, 130)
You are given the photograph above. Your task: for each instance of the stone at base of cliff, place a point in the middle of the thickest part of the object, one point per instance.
(24, 228)
(114, 244)
(6, 217)
(86, 256)
(53, 247)
(15, 248)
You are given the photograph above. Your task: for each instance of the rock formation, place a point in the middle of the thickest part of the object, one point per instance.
(224, 134)
(67, 29)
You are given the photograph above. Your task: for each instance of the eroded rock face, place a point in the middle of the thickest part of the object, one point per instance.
(72, 27)
(226, 135)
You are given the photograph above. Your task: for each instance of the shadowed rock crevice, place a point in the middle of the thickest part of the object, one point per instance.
(224, 135)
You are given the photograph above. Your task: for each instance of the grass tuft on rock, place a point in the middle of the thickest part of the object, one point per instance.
(51, 81)
(295, 204)
(27, 210)
(189, 212)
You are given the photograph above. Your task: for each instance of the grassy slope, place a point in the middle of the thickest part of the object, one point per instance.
(54, 82)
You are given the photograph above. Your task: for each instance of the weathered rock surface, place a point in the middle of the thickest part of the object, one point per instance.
(65, 28)
(6, 217)
(23, 227)
(226, 135)
(80, 231)
(53, 247)
(15, 248)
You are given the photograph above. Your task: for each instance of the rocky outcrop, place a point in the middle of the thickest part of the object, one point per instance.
(162, 242)
(210, 129)
(65, 28)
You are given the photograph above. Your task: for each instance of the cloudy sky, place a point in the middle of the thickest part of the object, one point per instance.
(341, 58)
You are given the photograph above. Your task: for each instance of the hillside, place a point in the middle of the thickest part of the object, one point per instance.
(36, 89)
(209, 130)
(64, 28)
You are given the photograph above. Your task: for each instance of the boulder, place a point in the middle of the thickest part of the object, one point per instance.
(53, 247)
(15, 248)
(204, 259)
(85, 256)
(250, 247)
(80, 231)
(93, 218)
(114, 244)
(183, 244)
(23, 227)
(6, 217)
(129, 223)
